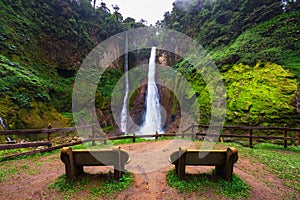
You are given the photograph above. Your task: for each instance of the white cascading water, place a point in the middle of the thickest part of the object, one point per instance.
(124, 108)
(152, 123)
(2, 123)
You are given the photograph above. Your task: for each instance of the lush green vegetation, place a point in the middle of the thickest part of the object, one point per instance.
(41, 47)
(27, 94)
(201, 183)
(58, 33)
(43, 44)
(274, 40)
(218, 23)
(105, 187)
(262, 94)
(255, 46)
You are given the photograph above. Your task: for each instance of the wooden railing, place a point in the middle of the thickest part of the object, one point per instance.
(192, 131)
(48, 143)
(47, 131)
(249, 134)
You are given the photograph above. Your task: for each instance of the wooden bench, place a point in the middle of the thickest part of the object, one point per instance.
(223, 160)
(74, 160)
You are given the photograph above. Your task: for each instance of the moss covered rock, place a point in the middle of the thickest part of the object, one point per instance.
(260, 94)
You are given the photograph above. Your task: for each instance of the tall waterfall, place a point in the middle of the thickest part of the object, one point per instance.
(152, 121)
(124, 108)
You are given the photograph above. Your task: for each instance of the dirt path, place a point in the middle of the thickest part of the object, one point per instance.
(33, 177)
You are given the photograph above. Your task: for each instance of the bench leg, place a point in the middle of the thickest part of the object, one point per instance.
(181, 163)
(176, 169)
(220, 170)
(231, 158)
(78, 170)
(66, 157)
(117, 174)
(118, 167)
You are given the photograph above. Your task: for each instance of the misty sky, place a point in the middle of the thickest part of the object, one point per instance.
(149, 10)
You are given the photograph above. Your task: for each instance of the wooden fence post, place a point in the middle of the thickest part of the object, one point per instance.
(193, 132)
(48, 133)
(250, 138)
(298, 136)
(133, 138)
(93, 137)
(156, 135)
(105, 140)
(285, 136)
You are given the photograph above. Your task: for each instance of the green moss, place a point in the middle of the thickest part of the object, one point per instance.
(262, 93)
(39, 115)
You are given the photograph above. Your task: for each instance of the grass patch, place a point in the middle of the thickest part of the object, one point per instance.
(283, 162)
(28, 156)
(98, 185)
(201, 183)
(7, 171)
(12, 151)
(127, 141)
(111, 187)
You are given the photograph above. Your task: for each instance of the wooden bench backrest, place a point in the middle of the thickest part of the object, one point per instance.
(203, 157)
(99, 157)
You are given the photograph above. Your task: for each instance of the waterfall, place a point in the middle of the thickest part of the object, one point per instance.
(2, 123)
(124, 108)
(9, 139)
(152, 121)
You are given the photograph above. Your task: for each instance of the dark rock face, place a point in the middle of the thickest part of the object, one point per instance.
(170, 111)
(137, 104)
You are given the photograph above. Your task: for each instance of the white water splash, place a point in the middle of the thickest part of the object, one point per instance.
(152, 123)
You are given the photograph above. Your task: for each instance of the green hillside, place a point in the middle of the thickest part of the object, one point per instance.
(42, 44)
(255, 45)
(244, 31)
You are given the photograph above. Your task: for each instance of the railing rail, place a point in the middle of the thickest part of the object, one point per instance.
(191, 131)
(41, 131)
(251, 135)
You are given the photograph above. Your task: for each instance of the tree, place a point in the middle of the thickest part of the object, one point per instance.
(104, 7)
(94, 4)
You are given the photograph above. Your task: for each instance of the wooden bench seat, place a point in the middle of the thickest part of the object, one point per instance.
(223, 160)
(74, 160)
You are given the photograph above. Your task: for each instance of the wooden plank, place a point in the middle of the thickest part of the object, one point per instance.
(249, 127)
(248, 136)
(43, 150)
(40, 131)
(190, 134)
(24, 145)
